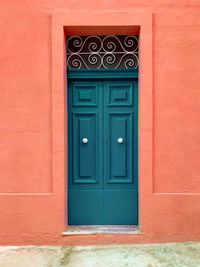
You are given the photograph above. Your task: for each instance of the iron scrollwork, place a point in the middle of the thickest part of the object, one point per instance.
(102, 52)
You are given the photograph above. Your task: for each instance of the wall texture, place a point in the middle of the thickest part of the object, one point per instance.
(29, 212)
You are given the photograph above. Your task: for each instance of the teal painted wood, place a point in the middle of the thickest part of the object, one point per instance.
(85, 118)
(103, 173)
(119, 120)
(102, 74)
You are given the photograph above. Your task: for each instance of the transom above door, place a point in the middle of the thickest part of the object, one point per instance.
(103, 148)
(102, 52)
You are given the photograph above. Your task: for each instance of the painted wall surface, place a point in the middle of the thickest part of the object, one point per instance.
(30, 212)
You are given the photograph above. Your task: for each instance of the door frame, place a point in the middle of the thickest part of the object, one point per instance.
(106, 74)
(133, 21)
(102, 74)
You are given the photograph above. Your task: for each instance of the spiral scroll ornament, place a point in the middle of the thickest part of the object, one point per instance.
(102, 52)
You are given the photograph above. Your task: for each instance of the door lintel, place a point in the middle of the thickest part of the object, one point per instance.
(102, 73)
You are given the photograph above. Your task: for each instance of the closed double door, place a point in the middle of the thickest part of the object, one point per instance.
(102, 152)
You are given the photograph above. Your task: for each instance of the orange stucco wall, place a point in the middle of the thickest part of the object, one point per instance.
(31, 212)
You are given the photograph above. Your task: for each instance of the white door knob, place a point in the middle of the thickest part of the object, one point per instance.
(120, 140)
(85, 140)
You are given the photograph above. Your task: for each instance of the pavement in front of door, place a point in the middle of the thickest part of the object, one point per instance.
(159, 255)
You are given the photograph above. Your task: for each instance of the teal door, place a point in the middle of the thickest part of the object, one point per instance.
(103, 151)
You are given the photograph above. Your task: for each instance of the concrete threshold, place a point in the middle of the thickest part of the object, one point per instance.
(101, 229)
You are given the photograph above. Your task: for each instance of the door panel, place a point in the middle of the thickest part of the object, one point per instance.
(85, 154)
(84, 120)
(84, 95)
(102, 176)
(120, 171)
(85, 207)
(120, 207)
(119, 93)
(119, 162)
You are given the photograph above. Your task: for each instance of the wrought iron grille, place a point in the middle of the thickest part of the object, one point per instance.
(102, 52)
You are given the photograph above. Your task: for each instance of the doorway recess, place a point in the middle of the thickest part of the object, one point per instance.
(102, 105)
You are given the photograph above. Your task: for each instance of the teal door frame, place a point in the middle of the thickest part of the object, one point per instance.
(102, 74)
(123, 75)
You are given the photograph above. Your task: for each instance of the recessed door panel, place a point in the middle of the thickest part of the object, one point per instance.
(120, 144)
(119, 93)
(85, 148)
(84, 94)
